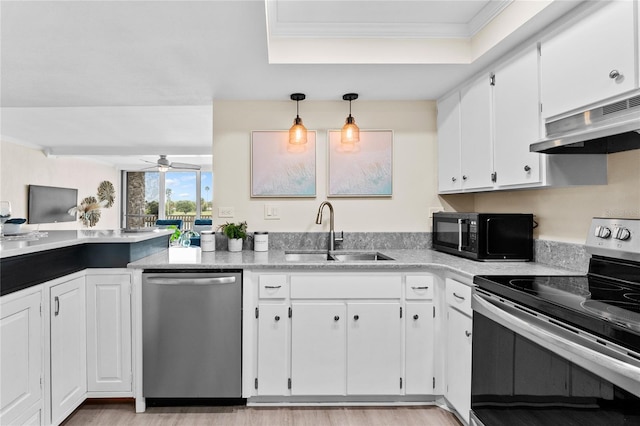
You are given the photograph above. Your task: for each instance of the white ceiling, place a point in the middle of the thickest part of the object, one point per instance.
(139, 77)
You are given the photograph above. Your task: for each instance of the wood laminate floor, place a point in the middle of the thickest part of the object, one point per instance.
(110, 413)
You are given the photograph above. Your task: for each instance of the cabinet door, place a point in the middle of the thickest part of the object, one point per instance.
(458, 363)
(374, 348)
(475, 135)
(318, 348)
(517, 121)
(109, 333)
(419, 353)
(576, 64)
(449, 144)
(273, 333)
(21, 356)
(68, 348)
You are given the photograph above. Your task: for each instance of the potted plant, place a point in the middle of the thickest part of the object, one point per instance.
(236, 233)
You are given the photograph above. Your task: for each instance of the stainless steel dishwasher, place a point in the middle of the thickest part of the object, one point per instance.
(192, 334)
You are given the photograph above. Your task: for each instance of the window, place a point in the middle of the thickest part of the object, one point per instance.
(186, 195)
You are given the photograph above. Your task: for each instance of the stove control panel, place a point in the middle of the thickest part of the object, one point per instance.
(618, 238)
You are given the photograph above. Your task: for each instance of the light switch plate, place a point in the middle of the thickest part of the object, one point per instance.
(271, 212)
(226, 212)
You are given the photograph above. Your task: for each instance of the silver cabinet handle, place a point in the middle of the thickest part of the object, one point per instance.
(336, 318)
(527, 168)
(420, 288)
(614, 74)
(356, 317)
(56, 300)
(453, 179)
(467, 333)
(277, 318)
(191, 281)
(273, 286)
(457, 296)
(415, 317)
(464, 177)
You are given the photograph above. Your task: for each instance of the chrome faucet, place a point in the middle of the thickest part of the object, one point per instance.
(332, 235)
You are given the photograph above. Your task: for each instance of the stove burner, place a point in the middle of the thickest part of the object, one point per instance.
(551, 286)
(633, 296)
(604, 286)
(624, 313)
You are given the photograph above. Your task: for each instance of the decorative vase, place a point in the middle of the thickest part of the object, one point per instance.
(235, 244)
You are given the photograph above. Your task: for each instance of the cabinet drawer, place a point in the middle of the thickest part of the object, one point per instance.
(273, 287)
(419, 287)
(366, 286)
(459, 296)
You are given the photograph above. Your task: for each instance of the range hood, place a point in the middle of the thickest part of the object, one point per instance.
(610, 128)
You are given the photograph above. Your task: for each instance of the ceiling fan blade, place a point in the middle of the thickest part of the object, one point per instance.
(150, 162)
(175, 165)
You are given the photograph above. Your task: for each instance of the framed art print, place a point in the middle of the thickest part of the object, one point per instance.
(361, 169)
(279, 169)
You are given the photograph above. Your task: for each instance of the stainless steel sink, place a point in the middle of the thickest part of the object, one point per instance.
(358, 257)
(323, 256)
(307, 256)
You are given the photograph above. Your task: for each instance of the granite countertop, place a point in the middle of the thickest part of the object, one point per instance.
(59, 239)
(403, 260)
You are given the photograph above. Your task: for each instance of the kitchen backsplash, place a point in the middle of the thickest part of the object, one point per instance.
(553, 253)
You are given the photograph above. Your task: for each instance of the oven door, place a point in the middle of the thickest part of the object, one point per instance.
(528, 369)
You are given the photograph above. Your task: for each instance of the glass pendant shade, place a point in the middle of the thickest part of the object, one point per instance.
(350, 132)
(297, 132)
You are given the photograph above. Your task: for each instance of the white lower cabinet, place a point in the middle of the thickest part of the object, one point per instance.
(273, 340)
(374, 354)
(419, 357)
(68, 345)
(458, 358)
(108, 332)
(318, 348)
(343, 334)
(21, 358)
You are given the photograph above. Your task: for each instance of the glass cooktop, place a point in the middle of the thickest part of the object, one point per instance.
(603, 307)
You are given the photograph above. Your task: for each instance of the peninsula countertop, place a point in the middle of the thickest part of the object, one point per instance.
(403, 260)
(60, 239)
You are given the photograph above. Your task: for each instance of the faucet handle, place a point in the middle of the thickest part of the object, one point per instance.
(340, 238)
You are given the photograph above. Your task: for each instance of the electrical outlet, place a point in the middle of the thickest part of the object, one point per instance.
(226, 212)
(271, 212)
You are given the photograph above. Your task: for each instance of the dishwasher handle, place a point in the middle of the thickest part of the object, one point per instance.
(190, 280)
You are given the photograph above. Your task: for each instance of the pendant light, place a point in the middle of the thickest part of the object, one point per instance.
(350, 132)
(297, 132)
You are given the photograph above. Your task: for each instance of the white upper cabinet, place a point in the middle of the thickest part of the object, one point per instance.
(475, 135)
(449, 144)
(592, 59)
(517, 121)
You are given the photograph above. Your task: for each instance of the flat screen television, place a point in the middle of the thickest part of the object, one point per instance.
(50, 204)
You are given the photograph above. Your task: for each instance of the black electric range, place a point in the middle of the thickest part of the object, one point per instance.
(562, 349)
(605, 302)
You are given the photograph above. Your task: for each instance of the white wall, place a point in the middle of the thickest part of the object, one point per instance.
(22, 166)
(564, 214)
(414, 164)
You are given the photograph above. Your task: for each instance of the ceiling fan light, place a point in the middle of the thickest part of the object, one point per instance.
(297, 132)
(163, 168)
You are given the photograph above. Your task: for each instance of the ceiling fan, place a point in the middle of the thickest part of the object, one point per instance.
(163, 164)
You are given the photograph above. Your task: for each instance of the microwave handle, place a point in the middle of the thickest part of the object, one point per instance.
(460, 223)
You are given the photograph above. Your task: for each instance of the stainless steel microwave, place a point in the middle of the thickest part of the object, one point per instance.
(484, 236)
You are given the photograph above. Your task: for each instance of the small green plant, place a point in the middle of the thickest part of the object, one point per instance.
(234, 230)
(176, 233)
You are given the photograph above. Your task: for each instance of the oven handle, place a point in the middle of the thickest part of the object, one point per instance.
(617, 367)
